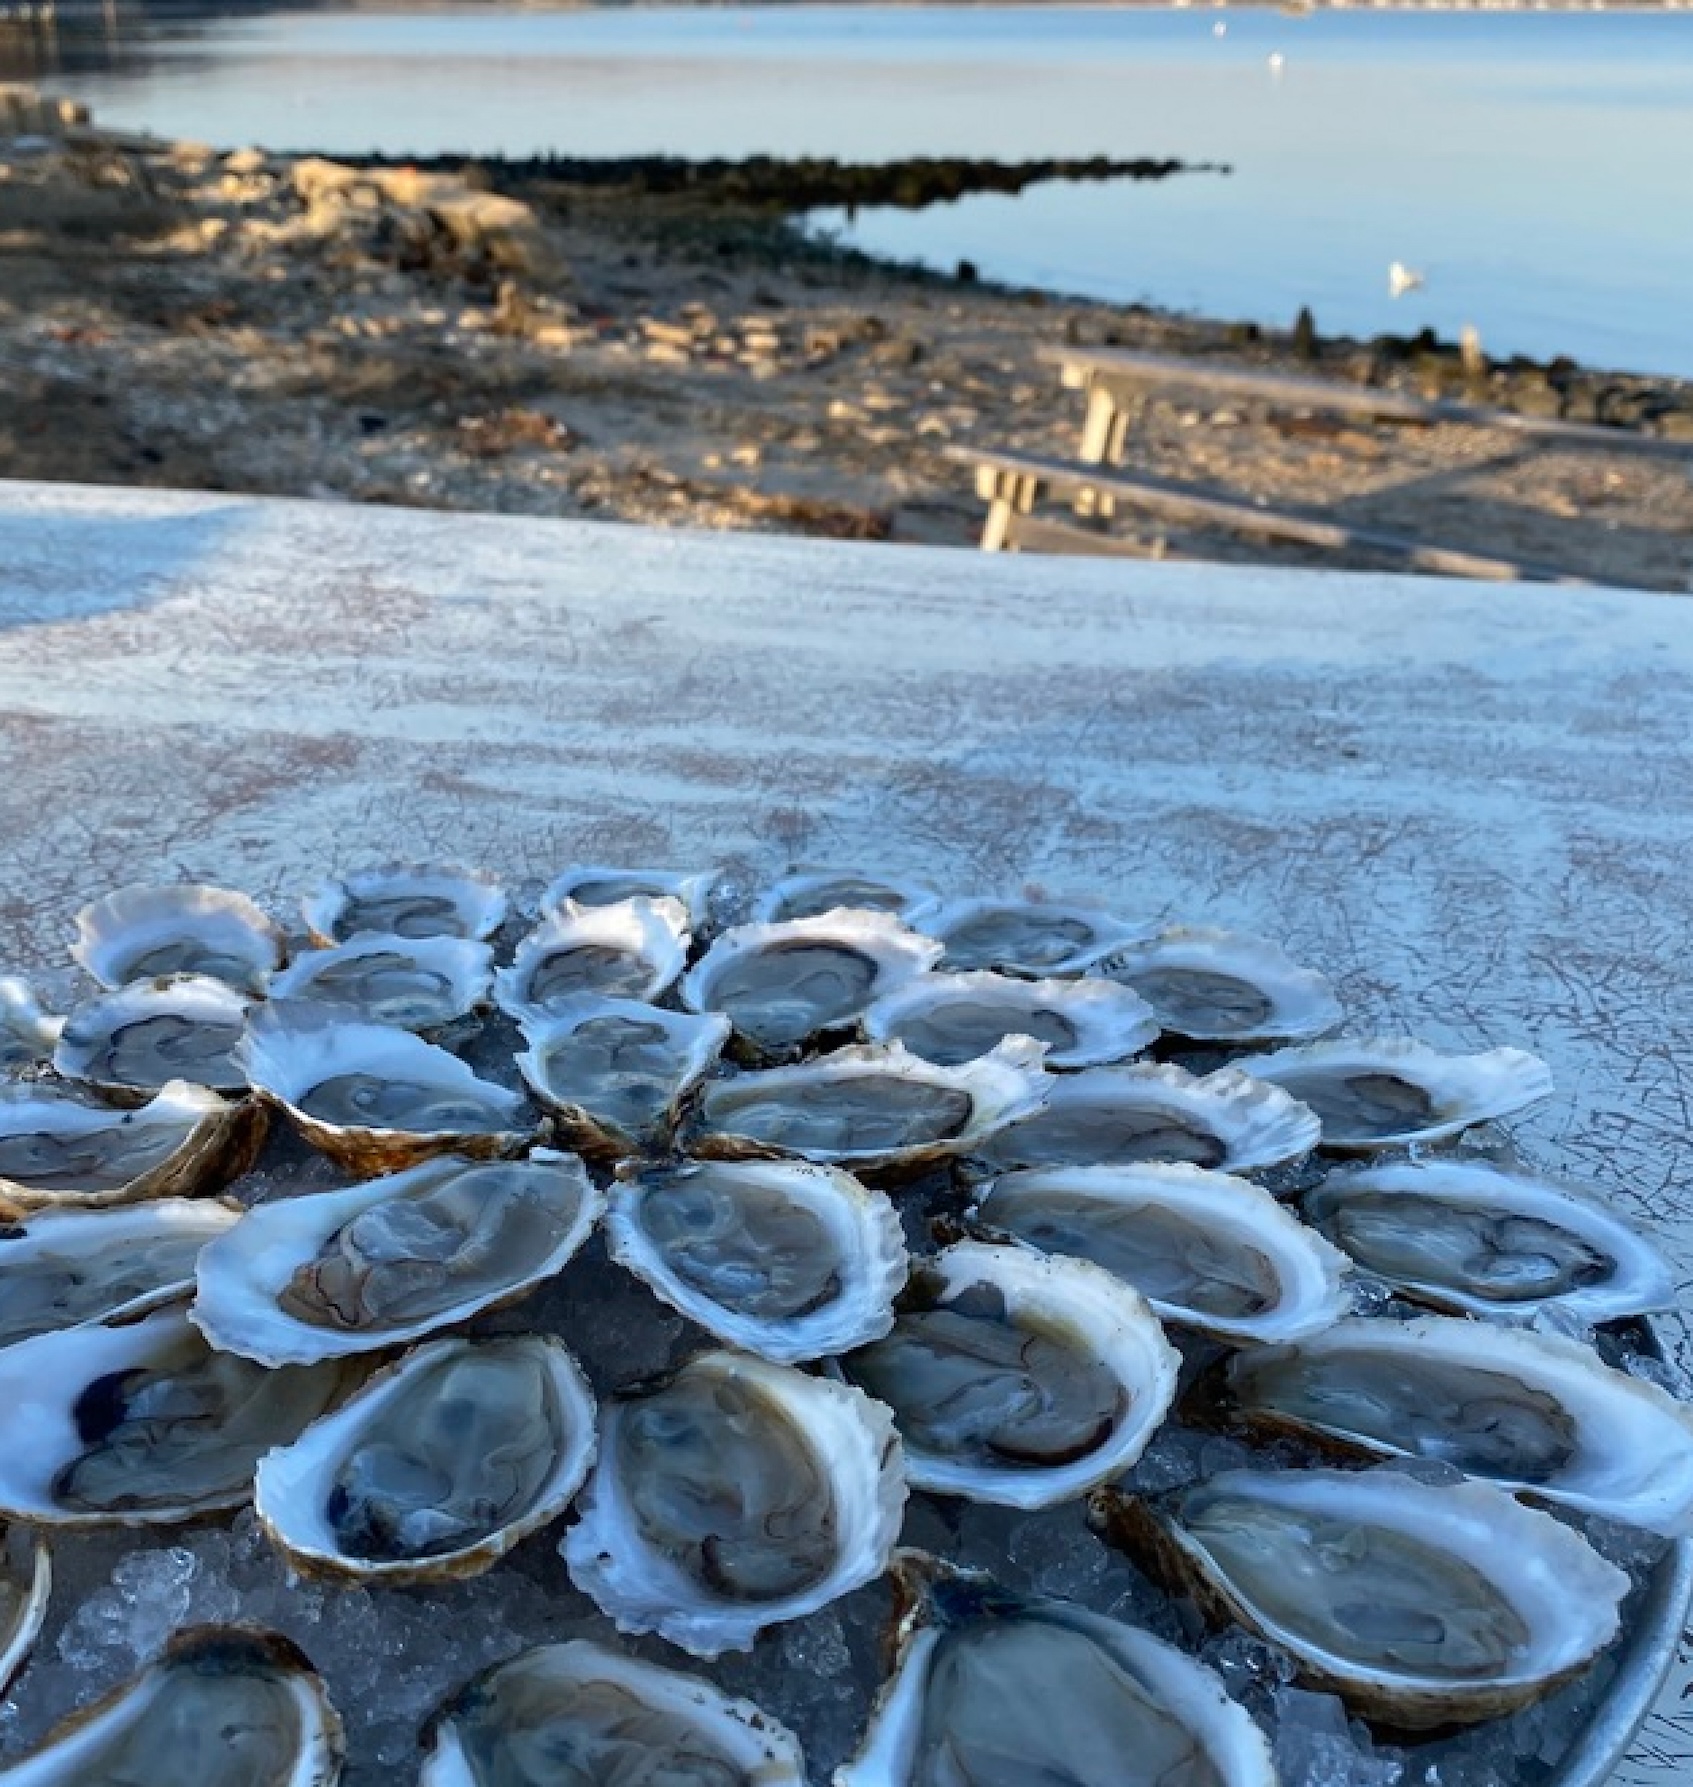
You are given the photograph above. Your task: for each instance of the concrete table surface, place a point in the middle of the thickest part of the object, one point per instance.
(1473, 806)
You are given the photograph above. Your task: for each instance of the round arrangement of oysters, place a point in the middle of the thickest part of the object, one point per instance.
(956, 1205)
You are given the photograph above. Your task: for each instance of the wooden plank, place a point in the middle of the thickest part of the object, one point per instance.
(1186, 502)
(1125, 373)
(1034, 533)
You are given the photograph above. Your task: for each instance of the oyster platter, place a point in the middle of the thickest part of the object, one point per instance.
(671, 1332)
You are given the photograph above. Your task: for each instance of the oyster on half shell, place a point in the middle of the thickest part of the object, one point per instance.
(152, 933)
(1421, 1605)
(873, 1105)
(371, 1096)
(733, 1496)
(1389, 1092)
(405, 900)
(993, 1689)
(1018, 1379)
(783, 1258)
(437, 1466)
(60, 1148)
(632, 950)
(1121, 1115)
(1027, 937)
(138, 1422)
(1533, 1412)
(610, 1719)
(806, 893)
(150, 1032)
(225, 1706)
(27, 1033)
(583, 886)
(1462, 1235)
(389, 1260)
(1207, 1250)
(416, 983)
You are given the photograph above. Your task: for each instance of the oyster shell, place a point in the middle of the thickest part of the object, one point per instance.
(733, 1496)
(875, 1105)
(151, 1032)
(1462, 1235)
(1207, 1250)
(617, 1069)
(27, 1033)
(1533, 1412)
(438, 1466)
(780, 984)
(1121, 1115)
(1018, 1379)
(1421, 1605)
(389, 1260)
(415, 983)
(784, 1259)
(68, 1266)
(58, 1148)
(995, 1688)
(137, 1422)
(26, 1583)
(807, 893)
(154, 933)
(612, 1717)
(225, 1706)
(953, 1018)
(373, 1097)
(1386, 1092)
(405, 900)
(632, 950)
(1224, 986)
(1028, 937)
(583, 887)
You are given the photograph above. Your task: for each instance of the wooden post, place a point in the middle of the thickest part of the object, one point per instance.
(1096, 445)
(995, 488)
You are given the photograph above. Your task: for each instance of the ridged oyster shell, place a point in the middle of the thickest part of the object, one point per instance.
(1390, 1092)
(873, 1105)
(58, 1148)
(1028, 937)
(953, 1018)
(1120, 1115)
(733, 1496)
(151, 1032)
(805, 893)
(27, 1033)
(1462, 1235)
(989, 1686)
(26, 1585)
(137, 1422)
(1207, 1250)
(1421, 1605)
(1533, 1412)
(1018, 1379)
(438, 1466)
(1224, 986)
(224, 1704)
(632, 950)
(419, 983)
(389, 1260)
(405, 900)
(371, 1096)
(584, 886)
(152, 933)
(62, 1267)
(780, 984)
(616, 1718)
(616, 1070)
(779, 1257)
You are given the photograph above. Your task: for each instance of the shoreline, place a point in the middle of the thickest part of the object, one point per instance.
(491, 336)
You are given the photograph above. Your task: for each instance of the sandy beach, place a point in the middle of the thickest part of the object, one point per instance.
(495, 337)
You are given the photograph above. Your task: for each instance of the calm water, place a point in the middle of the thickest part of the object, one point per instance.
(1538, 169)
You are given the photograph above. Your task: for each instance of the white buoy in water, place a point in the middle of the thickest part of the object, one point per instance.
(1401, 279)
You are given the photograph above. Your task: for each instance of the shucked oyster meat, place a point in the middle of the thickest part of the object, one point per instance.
(391, 1259)
(223, 1707)
(1029, 937)
(735, 1495)
(609, 1719)
(437, 1466)
(140, 1422)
